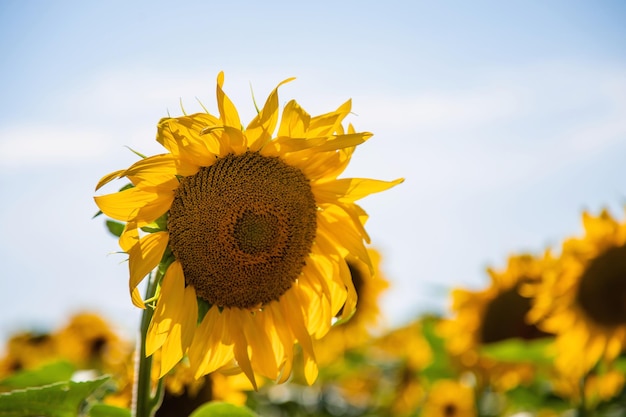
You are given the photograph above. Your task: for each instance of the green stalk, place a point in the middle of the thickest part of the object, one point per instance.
(582, 406)
(145, 401)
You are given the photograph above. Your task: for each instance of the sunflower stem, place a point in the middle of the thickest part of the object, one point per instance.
(145, 401)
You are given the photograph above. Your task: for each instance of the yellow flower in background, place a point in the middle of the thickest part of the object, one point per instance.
(357, 330)
(597, 387)
(253, 226)
(584, 301)
(496, 314)
(405, 344)
(27, 350)
(449, 398)
(410, 352)
(88, 341)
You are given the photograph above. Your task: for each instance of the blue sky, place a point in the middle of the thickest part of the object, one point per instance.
(507, 119)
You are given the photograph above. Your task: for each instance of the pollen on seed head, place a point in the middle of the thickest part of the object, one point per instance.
(242, 229)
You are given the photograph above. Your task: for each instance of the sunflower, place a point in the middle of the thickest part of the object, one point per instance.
(597, 386)
(449, 398)
(251, 228)
(584, 301)
(357, 330)
(408, 352)
(495, 314)
(88, 341)
(27, 350)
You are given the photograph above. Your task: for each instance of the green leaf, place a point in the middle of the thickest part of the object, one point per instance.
(221, 409)
(440, 367)
(62, 399)
(44, 375)
(520, 350)
(620, 364)
(116, 228)
(106, 410)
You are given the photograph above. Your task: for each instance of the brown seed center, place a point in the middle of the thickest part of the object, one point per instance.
(242, 229)
(602, 289)
(505, 318)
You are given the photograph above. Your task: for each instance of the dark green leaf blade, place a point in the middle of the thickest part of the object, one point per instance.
(116, 228)
(61, 399)
(44, 375)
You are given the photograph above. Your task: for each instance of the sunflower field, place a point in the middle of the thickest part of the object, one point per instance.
(261, 293)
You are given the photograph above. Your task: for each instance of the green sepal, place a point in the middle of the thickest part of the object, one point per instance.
(61, 399)
(116, 228)
(166, 261)
(159, 225)
(222, 409)
(139, 154)
(203, 308)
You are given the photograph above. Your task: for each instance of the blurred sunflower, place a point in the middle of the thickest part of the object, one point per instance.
(252, 231)
(584, 301)
(449, 398)
(596, 387)
(357, 330)
(404, 344)
(496, 314)
(88, 341)
(27, 350)
(182, 392)
(408, 353)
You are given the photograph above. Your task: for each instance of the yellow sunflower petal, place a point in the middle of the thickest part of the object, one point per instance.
(327, 124)
(278, 347)
(323, 165)
(294, 121)
(317, 144)
(351, 189)
(185, 139)
(240, 348)
(175, 318)
(260, 129)
(136, 204)
(260, 345)
(144, 256)
(212, 345)
(335, 287)
(228, 111)
(282, 338)
(109, 177)
(158, 170)
(338, 228)
(291, 308)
